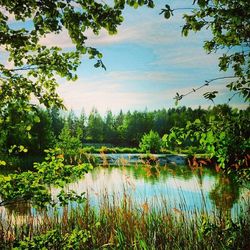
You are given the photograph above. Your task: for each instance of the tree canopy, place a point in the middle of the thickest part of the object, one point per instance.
(35, 67)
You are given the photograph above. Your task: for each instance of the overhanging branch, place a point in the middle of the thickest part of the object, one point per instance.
(178, 96)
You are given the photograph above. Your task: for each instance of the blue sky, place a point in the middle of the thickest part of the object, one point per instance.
(147, 62)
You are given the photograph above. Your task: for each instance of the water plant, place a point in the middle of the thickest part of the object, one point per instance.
(124, 224)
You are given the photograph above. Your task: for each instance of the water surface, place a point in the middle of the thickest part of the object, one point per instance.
(177, 186)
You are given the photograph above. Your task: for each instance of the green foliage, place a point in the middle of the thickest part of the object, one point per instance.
(110, 133)
(26, 186)
(224, 136)
(57, 122)
(65, 198)
(35, 66)
(95, 126)
(54, 171)
(67, 142)
(228, 235)
(151, 142)
(54, 239)
(124, 130)
(135, 125)
(29, 137)
(120, 133)
(228, 23)
(34, 186)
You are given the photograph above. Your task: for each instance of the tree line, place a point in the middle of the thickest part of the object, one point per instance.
(51, 127)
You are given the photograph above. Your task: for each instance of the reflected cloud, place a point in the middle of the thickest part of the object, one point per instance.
(167, 187)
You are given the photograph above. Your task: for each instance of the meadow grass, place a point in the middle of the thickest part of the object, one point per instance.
(122, 223)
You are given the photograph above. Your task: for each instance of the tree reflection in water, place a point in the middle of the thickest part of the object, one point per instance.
(224, 195)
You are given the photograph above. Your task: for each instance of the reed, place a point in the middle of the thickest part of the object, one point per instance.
(121, 223)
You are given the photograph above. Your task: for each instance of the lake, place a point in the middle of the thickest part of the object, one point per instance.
(178, 187)
(168, 204)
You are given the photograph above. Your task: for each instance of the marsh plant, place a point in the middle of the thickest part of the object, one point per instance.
(121, 223)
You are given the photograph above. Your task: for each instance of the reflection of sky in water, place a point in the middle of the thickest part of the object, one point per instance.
(185, 192)
(178, 187)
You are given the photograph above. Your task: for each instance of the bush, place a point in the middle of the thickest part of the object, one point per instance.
(151, 142)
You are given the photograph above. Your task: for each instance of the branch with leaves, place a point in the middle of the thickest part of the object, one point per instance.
(208, 95)
(33, 187)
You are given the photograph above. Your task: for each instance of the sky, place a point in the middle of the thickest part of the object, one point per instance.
(147, 62)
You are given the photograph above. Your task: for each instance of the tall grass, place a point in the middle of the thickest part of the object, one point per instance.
(121, 223)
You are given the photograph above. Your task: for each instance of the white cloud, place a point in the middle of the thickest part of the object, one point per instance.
(143, 26)
(186, 55)
(113, 91)
(142, 33)
(61, 40)
(110, 93)
(11, 17)
(154, 29)
(154, 76)
(77, 96)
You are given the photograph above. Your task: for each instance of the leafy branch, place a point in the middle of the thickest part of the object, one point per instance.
(33, 187)
(207, 95)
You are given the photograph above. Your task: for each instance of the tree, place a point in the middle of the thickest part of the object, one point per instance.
(72, 121)
(135, 125)
(223, 137)
(81, 125)
(118, 124)
(41, 134)
(151, 142)
(57, 120)
(160, 121)
(110, 135)
(95, 126)
(228, 22)
(69, 143)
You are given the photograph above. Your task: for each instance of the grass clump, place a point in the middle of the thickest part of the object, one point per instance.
(122, 224)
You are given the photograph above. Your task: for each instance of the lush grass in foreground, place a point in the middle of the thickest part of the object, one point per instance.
(125, 225)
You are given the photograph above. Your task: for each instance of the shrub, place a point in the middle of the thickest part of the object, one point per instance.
(151, 142)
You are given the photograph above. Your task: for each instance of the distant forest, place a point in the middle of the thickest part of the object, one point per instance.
(123, 129)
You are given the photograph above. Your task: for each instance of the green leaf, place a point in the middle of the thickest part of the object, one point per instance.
(197, 121)
(36, 119)
(210, 137)
(167, 14)
(28, 128)
(222, 135)
(2, 163)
